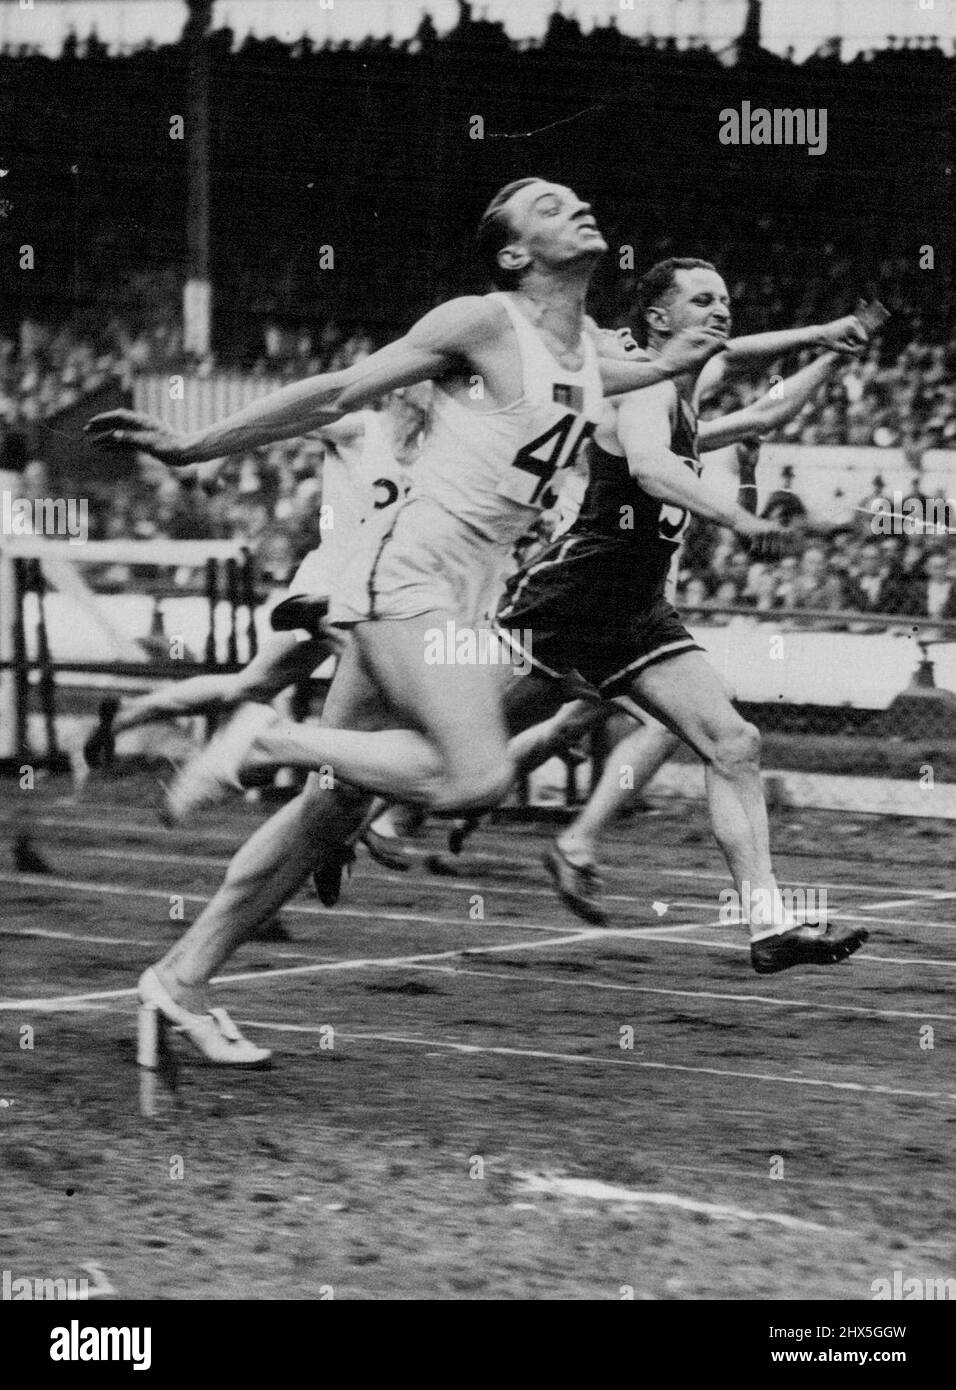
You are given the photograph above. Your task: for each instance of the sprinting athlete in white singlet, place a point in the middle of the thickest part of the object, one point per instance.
(520, 396)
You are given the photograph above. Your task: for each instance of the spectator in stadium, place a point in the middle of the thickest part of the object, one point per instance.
(783, 504)
(935, 595)
(815, 586)
(878, 586)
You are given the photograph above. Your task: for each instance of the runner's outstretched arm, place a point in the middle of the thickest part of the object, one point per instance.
(438, 342)
(772, 409)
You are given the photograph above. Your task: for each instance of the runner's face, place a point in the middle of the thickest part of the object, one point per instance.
(553, 226)
(698, 299)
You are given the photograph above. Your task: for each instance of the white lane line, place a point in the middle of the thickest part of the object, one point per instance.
(380, 879)
(150, 830)
(593, 1190)
(54, 1002)
(76, 936)
(582, 1059)
(857, 956)
(575, 982)
(794, 883)
(650, 933)
(122, 890)
(906, 902)
(155, 831)
(835, 915)
(544, 892)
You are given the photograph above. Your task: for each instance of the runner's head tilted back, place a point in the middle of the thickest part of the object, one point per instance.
(533, 228)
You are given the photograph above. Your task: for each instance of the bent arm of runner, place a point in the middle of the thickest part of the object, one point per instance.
(644, 431)
(772, 409)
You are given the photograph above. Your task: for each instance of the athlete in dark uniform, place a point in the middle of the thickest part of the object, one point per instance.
(591, 614)
(595, 598)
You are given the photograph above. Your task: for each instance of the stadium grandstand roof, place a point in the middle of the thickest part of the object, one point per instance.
(804, 27)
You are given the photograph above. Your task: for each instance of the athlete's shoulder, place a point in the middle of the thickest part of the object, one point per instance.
(468, 321)
(472, 312)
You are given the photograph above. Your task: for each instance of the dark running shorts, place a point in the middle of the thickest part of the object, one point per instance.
(576, 610)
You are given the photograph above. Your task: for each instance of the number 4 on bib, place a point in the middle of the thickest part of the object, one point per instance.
(535, 465)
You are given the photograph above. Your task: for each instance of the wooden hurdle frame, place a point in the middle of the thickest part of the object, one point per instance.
(22, 563)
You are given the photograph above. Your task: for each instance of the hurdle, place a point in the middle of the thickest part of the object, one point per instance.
(32, 568)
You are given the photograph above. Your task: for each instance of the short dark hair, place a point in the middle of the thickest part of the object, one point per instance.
(495, 231)
(656, 283)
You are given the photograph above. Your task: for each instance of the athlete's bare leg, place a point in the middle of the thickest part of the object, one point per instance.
(381, 679)
(536, 744)
(528, 749)
(452, 751)
(281, 660)
(642, 752)
(278, 858)
(686, 694)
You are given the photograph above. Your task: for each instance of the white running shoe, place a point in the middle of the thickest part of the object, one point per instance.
(214, 1034)
(215, 770)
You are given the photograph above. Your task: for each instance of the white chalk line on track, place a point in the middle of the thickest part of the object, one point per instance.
(576, 983)
(593, 1190)
(74, 1003)
(46, 933)
(155, 831)
(397, 881)
(318, 967)
(671, 934)
(858, 956)
(544, 893)
(934, 893)
(835, 915)
(122, 890)
(582, 1059)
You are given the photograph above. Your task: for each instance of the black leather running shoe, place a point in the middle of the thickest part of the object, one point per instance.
(578, 885)
(806, 945)
(328, 879)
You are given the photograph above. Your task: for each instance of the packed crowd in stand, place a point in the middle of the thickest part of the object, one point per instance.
(847, 570)
(270, 500)
(826, 235)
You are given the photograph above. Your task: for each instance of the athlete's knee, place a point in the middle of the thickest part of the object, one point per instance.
(736, 749)
(326, 799)
(477, 788)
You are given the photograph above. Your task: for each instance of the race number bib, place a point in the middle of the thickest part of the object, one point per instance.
(532, 478)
